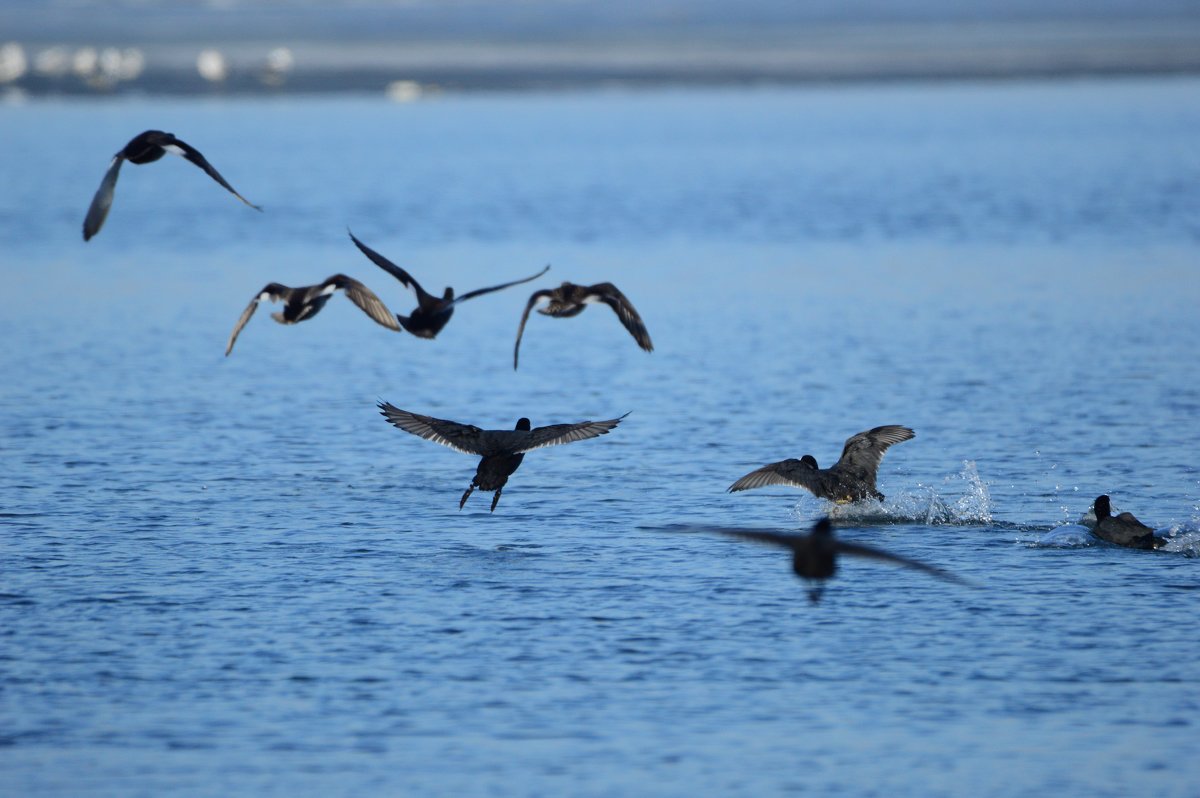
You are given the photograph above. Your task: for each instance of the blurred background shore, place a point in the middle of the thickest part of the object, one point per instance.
(410, 47)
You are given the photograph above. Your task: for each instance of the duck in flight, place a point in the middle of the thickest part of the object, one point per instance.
(145, 148)
(432, 313)
(501, 450)
(850, 479)
(305, 302)
(1124, 529)
(570, 299)
(815, 555)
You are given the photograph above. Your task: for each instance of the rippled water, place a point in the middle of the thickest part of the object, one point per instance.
(232, 575)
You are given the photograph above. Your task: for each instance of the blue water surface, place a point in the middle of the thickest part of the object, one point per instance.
(231, 575)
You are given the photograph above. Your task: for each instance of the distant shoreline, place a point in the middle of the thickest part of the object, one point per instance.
(408, 69)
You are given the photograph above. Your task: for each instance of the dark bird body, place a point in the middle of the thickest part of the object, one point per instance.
(432, 312)
(305, 302)
(850, 479)
(501, 450)
(145, 148)
(815, 556)
(570, 299)
(1124, 529)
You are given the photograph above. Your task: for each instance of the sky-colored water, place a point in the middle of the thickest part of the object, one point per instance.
(232, 575)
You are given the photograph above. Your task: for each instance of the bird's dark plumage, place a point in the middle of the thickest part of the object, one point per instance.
(145, 148)
(814, 556)
(570, 299)
(850, 479)
(432, 312)
(1124, 529)
(305, 302)
(501, 450)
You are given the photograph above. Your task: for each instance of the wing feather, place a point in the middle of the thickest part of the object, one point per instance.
(556, 434)
(367, 301)
(404, 277)
(870, 553)
(241, 322)
(863, 452)
(192, 154)
(544, 293)
(761, 536)
(463, 438)
(102, 201)
(482, 291)
(785, 472)
(610, 295)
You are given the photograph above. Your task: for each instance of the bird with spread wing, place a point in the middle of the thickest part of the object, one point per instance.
(501, 450)
(145, 148)
(815, 555)
(432, 312)
(850, 479)
(305, 302)
(570, 299)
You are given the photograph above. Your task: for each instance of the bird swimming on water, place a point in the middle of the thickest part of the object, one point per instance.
(570, 299)
(432, 313)
(502, 450)
(305, 302)
(1124, 529)
(145, 148)
(814, 556)
(850, 479)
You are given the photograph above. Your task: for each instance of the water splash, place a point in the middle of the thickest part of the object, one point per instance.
(1181, 538)
(961, 499)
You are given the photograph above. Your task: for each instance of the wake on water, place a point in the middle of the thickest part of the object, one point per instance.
(1183, 538)
(962, 499)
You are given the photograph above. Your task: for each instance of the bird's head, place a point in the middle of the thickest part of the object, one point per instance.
(449, 295)
(809, 461)
(823, 528)
(523, 424)
(1102, 507)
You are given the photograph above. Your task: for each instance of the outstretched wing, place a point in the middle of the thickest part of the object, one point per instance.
(760, 536)
(785, 472)
(463, 438)
(241, 322)
(366, 300)
(864, 451)
(867, 552)
(102, 202)
(556, 434)
(537, 296)
(192, 154)
(482, 291)
(404, 277)
(610, 295)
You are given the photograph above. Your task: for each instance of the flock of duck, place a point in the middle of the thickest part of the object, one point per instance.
(851, 479)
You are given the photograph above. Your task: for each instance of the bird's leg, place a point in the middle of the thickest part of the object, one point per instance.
(814, 593)
(463, 500)
(496, 499)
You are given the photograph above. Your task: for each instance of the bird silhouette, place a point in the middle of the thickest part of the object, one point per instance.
(570, 299)
(815, 555)
(145, 148)
(501, 450)
(432, 313)
(1124, 529)
(305, 302)
(850, 479)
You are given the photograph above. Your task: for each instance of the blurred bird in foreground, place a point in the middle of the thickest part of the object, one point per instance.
(815, 555)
